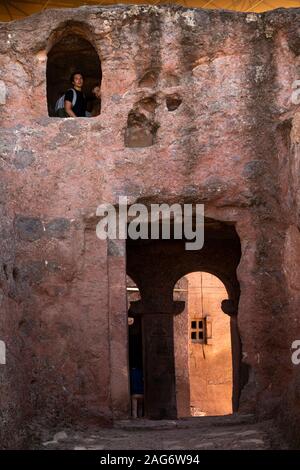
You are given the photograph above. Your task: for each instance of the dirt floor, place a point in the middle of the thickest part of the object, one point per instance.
(238, 432)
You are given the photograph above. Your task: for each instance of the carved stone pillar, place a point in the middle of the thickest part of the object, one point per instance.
(230, 309)
(158, 356)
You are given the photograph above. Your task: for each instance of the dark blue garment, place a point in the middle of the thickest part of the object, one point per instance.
(136, 379)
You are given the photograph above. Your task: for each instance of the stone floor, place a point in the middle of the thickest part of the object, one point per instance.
(211, 433)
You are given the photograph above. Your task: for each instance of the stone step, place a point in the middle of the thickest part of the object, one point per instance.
(185, 423)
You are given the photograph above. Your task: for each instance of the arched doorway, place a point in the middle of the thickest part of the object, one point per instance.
(157, 265)
(73, 52)
(202, 347)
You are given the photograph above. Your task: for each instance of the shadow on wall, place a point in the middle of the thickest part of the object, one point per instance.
(72, 53)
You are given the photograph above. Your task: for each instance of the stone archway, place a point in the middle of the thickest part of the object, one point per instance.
(220, 256)
(203, 347)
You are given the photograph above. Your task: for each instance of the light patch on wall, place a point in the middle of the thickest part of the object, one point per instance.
(3, 92)
(2, 353)
(41, 56)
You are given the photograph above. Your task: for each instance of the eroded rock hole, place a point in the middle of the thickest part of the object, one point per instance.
(149, 79)
(173, 102)
(5, 271)
(73, 53)
(140, 130)
(15, 273)
(141, 125)
(148, 104)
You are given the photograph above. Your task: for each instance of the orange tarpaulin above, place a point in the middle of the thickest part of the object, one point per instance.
(16, 9)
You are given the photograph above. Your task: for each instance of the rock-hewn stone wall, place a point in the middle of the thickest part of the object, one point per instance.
(196, 107)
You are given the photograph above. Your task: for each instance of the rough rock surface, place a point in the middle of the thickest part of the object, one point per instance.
(196, 107)
(226, 433)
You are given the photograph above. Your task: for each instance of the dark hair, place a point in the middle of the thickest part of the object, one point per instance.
(73, 75)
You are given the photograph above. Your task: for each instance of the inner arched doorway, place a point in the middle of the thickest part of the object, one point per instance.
(202, 342)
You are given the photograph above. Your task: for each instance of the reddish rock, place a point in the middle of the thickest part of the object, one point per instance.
(218, 127)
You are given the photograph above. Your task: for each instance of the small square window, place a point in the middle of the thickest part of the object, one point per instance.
(197, 330)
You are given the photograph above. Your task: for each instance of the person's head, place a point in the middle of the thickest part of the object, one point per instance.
(77, 80)
(96, 90)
